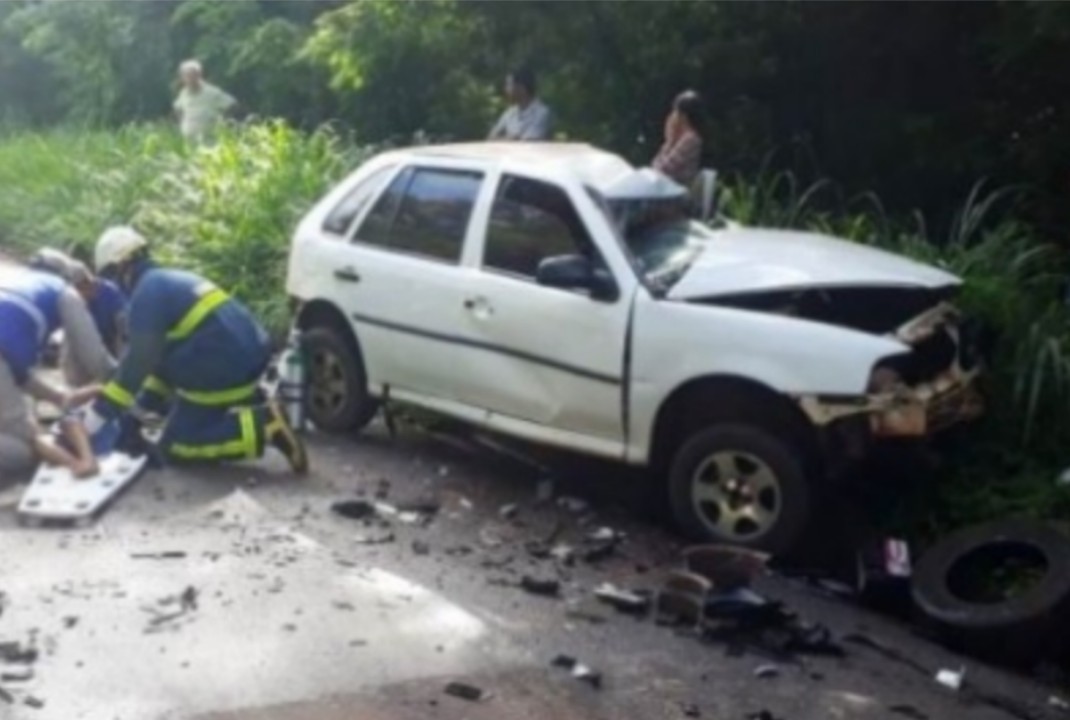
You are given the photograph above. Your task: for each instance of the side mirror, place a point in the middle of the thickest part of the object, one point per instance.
(576, 272)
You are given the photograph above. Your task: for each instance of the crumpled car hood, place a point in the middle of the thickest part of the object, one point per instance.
(745, 260)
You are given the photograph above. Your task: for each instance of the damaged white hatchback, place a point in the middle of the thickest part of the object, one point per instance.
(553, 293)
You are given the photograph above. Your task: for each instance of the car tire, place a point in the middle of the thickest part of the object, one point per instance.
(952, 590)
(337, 392)
(742, 485)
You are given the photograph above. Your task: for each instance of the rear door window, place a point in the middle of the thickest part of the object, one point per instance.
(425, 212)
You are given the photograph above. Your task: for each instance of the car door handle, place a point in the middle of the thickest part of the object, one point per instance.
(348, 274)
(479, 305)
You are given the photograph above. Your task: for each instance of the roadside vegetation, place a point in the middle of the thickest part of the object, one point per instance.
(229, 211)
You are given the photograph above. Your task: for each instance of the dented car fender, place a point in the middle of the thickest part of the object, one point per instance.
(794, 357)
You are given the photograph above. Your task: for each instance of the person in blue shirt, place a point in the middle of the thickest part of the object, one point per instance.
(96, 360)
(197, 349)
(34, 305)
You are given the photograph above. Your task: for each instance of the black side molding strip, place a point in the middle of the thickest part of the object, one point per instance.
(489, 347)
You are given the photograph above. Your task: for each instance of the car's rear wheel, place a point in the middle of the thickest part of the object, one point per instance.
(338, 398)
(740, 484)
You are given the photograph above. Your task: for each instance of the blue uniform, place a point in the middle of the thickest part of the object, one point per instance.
(107, 304)
(192, 343)
(29, 314)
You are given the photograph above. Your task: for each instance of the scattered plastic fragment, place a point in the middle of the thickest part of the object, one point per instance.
(547, 587)
(951, 679)
(465, 691)
(766, 672)
(572, 504)
(623, 600)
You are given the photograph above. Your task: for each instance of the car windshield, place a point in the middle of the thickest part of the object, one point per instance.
(660, 235)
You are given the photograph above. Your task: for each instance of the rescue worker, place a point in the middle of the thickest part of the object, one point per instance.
(192, 344)
(107, 307)
(33, 305)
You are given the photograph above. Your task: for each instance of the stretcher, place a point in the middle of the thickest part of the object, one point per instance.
(55, 495)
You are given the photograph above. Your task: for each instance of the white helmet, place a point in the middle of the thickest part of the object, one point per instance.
(117, 245)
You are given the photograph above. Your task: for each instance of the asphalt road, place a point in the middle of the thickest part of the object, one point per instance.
(301, 614)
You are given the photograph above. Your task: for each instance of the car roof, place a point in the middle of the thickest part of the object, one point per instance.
(588, 164)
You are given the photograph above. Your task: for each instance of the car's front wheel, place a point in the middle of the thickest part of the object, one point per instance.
(740, 484)
(338, 399)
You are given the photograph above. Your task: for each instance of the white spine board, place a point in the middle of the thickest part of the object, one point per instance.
(55, 494)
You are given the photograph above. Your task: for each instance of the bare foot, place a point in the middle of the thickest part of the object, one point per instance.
(85, 469)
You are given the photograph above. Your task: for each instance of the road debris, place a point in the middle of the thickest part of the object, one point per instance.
(767, 672)
(186, 602)
(544, 491)
(354, 509)
(34, 702)
(17, 673)
(951, 679)
(574, 505)
(727, 568)
(908, 711)
(547, 587)
(508, 512)
(1058, 703)
(681, 599)
(419, 547)
(165, 555)
(380, 539)
(18, 654)
(578, 670)
(623, 600)
(690, 710)
(465, 691)
(762, 715)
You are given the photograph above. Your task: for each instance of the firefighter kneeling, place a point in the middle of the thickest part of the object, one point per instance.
(195, 355)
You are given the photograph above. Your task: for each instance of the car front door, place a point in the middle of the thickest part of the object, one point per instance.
(548, 356)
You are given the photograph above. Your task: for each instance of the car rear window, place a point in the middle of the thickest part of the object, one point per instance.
(425, 211)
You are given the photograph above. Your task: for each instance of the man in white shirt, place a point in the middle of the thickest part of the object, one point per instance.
(527, 118)
(200, 106)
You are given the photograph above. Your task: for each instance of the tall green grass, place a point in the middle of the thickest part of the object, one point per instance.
(227, 210)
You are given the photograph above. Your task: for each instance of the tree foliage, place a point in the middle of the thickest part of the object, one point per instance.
(912, 100)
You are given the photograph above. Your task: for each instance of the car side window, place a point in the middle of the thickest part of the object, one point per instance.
(434, 213)
(339, 220)
(529, 222)
(425, 211)
(375, 230)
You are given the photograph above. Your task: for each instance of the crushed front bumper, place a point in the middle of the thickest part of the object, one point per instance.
(940, 390)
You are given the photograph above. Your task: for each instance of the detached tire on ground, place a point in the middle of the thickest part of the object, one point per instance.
(740, 484)
(1000, 591)
(337, 393)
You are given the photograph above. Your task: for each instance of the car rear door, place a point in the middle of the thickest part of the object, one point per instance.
(547, 356)
(406, 285)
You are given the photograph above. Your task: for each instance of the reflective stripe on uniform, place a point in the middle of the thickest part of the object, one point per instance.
(30, 309)
(156, 385)
(118, 395)
(230, 396)
(201, 309)
(245, 446)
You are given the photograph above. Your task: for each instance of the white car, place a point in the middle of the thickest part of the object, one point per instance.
(554, 293)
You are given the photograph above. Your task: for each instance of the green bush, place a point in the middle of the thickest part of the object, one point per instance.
(226, 211)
